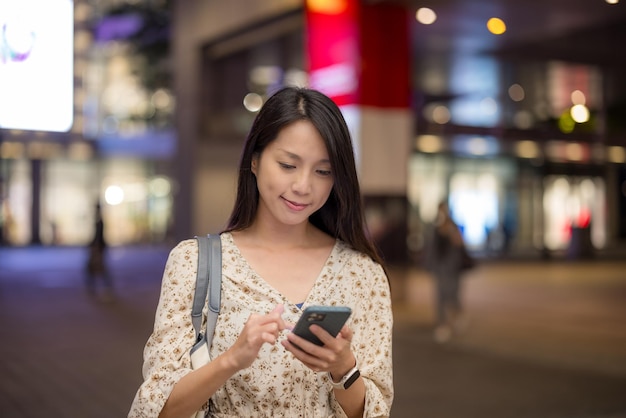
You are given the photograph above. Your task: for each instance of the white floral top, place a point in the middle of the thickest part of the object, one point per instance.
(276, 385)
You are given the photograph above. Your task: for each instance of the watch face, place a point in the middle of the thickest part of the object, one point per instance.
(352, 379)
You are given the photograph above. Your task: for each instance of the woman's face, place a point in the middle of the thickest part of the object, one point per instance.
(293, 175)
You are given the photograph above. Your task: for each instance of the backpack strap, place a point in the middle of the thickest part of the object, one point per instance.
(208, 281)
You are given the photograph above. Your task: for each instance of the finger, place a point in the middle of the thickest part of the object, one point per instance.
(308, 359)
(346, 333)
(275, 316)
(272, 317)
(305, 346)
(299, 342)
(269, 337)
(255, 337)
(323, 335)
(271, 328)
(279, 309)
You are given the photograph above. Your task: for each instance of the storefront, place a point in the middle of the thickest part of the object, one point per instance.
(104, 134)
(58, 206)
(514, 206)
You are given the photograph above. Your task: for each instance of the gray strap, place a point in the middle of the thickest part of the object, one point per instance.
(202, 284)
(215, 285)
(209, 278)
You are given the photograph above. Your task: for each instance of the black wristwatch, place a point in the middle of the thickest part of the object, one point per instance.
(347, 380)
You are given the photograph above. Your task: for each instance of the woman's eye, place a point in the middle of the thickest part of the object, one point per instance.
(324, 172)
(287, 166)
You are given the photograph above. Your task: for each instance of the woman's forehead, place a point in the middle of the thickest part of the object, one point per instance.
(300, 140)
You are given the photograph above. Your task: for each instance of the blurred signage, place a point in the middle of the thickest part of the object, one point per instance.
(36, 65)
(332, 48)
(358, 53)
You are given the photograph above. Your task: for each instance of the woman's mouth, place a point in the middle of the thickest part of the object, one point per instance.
(294, 205)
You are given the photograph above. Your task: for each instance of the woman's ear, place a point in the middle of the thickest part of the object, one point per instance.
(254, 163)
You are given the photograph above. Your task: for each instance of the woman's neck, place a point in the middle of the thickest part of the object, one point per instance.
(282, 236)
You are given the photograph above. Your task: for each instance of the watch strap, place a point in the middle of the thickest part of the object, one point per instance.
(347, 380)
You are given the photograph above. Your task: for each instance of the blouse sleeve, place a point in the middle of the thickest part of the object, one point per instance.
(166, 354)
(372, 325)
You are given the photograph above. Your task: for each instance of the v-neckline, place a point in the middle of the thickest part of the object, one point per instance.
(324, 272)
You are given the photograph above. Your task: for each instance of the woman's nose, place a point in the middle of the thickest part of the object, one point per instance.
(302, 183)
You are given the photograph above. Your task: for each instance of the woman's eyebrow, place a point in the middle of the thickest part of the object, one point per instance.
(299, 158)
(290, 154)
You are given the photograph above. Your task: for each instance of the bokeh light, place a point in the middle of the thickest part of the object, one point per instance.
(527, 149)
(441, 114)
(330, 7)
(566, 123)
(496, 26)
(429, 143)
(425, 16)
(516, 93)
(578, 97)
(580, 113)
(253, 102)
(114, 195)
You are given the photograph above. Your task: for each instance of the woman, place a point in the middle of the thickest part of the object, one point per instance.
(446, 263)
(295, 238)
(96, 260)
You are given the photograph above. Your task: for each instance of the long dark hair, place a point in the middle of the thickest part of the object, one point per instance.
(342, 214)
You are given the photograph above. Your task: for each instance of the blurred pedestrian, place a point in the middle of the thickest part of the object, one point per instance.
(97, 269)
(445, 257)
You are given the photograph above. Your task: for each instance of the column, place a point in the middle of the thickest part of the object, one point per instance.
(359, 55)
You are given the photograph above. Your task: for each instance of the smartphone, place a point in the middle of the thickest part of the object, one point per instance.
(331, 318)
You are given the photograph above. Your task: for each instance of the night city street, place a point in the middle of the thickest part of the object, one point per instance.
(543, 339)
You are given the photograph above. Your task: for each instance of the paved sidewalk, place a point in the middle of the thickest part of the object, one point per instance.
(543, 340)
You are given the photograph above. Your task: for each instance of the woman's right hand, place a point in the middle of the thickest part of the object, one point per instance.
(258, 330)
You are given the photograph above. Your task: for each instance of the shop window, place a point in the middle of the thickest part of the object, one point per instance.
(574, 207)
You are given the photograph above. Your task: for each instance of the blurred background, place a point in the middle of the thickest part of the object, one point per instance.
(144, 106)
(513, 112)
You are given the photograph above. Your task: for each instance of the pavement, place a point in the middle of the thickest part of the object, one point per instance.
(543, 339)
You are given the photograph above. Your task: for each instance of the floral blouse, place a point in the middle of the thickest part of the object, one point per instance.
(276, 384)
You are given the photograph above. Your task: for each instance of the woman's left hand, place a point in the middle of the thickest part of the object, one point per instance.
(335, 356)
